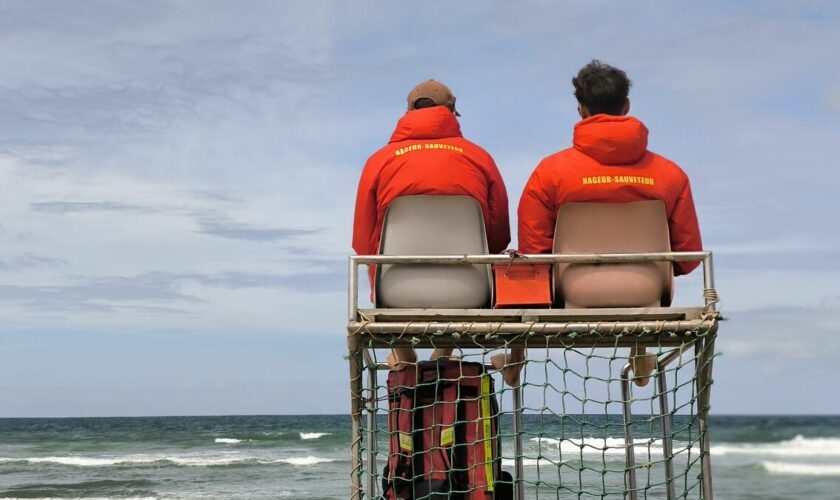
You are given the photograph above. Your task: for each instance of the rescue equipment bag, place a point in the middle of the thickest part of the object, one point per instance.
(444, 434)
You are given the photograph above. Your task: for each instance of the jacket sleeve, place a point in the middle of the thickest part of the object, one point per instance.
(537, 215)
(498, 230)
(364, 220)
(685, 230)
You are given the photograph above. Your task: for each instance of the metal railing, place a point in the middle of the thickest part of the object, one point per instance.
(482, 321)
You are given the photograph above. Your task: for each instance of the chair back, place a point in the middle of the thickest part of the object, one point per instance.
(635, 227)
(433, 225)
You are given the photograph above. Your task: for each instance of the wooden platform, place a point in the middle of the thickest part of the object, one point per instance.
(530, 315)
(662, 326)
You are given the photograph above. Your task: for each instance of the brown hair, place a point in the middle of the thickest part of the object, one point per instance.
(601, 88)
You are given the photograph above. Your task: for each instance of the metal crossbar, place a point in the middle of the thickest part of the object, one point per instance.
(679, 328)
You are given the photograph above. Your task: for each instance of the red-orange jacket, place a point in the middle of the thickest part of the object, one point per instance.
(427, 155)
(609, 163)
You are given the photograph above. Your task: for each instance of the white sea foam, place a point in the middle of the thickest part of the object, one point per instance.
(314, 435)
(184, 461)
(797, 447)
(310, 460)
(531, 462)
(792, 469)
(92, 461)
(206, 461)
(228, 440)
(607, 446)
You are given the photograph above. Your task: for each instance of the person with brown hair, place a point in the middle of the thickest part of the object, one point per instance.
(608, 163)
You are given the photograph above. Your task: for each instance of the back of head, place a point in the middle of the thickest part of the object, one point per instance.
(429, 94)
(601, 88)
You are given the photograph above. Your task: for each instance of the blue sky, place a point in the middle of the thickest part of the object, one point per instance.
(179, 180)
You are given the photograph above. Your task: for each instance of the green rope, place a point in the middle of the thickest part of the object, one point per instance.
(573, 432)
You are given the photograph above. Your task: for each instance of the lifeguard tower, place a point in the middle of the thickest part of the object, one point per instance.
(576, 426)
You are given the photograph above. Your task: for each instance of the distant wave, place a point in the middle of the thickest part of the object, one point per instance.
(228, 440)
(314, 435)
(82, 461)
(531, 462)
(184, 461)
(607, 446)
(797, 447)
(791, 469)
(306, 460)
(99, 488)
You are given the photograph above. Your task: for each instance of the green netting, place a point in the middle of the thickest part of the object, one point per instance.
(574, 433)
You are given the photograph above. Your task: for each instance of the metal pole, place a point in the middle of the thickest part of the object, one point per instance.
(665, 420)
(355, 417)
(593, 258)
(704, 353)
(629, 452)
(518, 480)
(372, 408)
(708, 281)
(353, 290)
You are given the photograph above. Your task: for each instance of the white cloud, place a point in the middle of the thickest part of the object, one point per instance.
(172, 166)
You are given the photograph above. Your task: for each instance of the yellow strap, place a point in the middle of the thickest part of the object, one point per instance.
(447, 436)
(487, 425)
(406, 442)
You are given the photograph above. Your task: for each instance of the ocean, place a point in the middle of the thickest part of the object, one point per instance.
(307, 457)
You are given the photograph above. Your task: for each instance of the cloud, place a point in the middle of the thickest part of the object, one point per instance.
(330, 280)
(802, 260)
(782, 334)
(98, 295)
(149, 291)
(29, 261)
(224, 228)
(63, 207)
(193, 169)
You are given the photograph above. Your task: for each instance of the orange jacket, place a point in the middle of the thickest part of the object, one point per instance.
(609, 163)
(428, 155)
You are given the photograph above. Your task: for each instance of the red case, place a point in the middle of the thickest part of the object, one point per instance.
(522, 284)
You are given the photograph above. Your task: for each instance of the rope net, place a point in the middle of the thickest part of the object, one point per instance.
(576, 429)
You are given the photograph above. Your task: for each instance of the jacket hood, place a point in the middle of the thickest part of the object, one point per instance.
(427, 123)
(611, 140)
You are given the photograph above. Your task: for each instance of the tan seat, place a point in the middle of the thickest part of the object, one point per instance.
(433, 225)
(613, 228)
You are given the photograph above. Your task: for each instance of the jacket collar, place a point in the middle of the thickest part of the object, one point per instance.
(611, 140)
(427, 123)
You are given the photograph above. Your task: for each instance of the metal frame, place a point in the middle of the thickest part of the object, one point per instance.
(491, 328)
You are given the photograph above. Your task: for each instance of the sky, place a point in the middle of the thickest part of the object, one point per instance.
(178, 181)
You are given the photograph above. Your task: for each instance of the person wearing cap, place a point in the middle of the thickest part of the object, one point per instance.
(428, 155)
(608, 163)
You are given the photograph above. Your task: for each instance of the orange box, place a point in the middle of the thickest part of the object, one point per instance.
(524, 284)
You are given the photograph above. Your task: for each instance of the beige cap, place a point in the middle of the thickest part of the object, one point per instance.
(434, 90)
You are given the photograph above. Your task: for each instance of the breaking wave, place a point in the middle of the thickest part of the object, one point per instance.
(531, 462)
(314, 435)
(607, 446)
(799, 446)
(791, 469)
(306, 460)
(183, 461)
(228, 440)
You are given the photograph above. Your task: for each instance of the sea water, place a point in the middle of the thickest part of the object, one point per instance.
(308, 457)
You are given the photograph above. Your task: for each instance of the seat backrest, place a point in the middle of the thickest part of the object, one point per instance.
(635, 227)
(433, 225)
